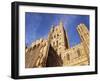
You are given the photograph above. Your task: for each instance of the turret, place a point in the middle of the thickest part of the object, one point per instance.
(64, 36)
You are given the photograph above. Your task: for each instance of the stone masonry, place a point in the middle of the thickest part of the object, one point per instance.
(55, 50)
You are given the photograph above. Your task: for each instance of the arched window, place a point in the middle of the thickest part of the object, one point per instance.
(59, 43)
(34, 46)
(68, 57)
(78, 52)
(57, 35)
(82, 37)
(54, 36)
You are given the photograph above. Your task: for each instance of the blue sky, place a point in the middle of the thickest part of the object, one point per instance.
(38, 25)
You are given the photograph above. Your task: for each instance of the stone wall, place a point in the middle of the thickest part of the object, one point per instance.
(75, 56)
(55, 50)
(35, 55)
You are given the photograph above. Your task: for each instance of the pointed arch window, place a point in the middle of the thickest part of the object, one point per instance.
(68, 57)
(78, 52)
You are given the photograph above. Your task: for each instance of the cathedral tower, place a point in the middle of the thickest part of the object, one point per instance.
(59, 38)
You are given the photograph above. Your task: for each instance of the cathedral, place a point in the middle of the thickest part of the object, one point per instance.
(55, 51)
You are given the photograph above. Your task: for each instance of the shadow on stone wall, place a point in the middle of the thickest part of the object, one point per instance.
(53, 59)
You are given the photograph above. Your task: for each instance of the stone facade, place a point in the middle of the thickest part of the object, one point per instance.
(36, 55)
(55, 50)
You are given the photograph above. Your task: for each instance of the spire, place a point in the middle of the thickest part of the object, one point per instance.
(61, 23)
(64, 35)
(52, 28)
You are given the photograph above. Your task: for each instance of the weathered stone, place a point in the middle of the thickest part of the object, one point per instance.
(55, 51)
